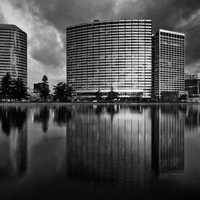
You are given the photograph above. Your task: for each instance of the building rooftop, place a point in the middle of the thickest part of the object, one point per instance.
(11, 26)
(97, 21)
(172, 32)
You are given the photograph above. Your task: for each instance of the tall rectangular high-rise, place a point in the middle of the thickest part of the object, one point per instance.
(168, 62)
(13, 52)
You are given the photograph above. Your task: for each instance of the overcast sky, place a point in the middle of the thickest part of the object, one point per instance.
(45, 22)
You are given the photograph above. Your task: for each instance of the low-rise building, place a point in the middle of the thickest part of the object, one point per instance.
(192, 84)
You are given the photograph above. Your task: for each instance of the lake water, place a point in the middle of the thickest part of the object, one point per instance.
(98, 151)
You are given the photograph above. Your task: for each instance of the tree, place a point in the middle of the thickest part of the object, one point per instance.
(60, 91)
(6, 86)
(44, 89)
(99, 95)
(13, 88)
(19, 90)
(45, 79)
(112, 95)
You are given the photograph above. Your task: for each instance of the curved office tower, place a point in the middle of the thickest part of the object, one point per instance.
(113, 55)
(13, 52)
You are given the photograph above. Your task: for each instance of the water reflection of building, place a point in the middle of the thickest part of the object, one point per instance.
(42, 116)
(18, 150)
(105, 55)
(110, 147)
(167, 139)
(13, 142)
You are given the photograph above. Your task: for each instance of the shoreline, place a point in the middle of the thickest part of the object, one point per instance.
(96, 103)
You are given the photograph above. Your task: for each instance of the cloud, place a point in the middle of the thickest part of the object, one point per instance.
(165, 14)
(45, 45)
(45, 22)
(48, 48)
(183, 16)
(61, 13)
(191, 22)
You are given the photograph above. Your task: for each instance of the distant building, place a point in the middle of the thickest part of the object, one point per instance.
(192, 76)
(168, 62)
(13, 52)
(192, 84)
(110, 54)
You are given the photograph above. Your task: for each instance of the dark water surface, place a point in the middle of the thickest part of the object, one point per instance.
(51, 151)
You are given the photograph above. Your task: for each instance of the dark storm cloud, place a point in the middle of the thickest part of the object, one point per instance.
(166, 14)
(61, 13)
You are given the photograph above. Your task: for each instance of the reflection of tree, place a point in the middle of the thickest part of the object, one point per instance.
(62, 115)
(192, 118)
(43, 118)
(135, 108)
(99, 109)
(12, 118)
(112, 110)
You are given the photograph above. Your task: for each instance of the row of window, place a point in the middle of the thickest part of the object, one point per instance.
(110, 31)
(109, 27)
(85, 85)
(116, 38)
(139, 61)
(170, 36)
(110, 42)
(111, 34)
(113, 74)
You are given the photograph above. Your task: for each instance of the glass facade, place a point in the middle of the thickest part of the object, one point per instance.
(168, 62)
(105, 55)
(13, 52)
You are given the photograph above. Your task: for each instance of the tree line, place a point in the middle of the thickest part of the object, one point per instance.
(12, 89)
(15, 89)
(61, 91)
